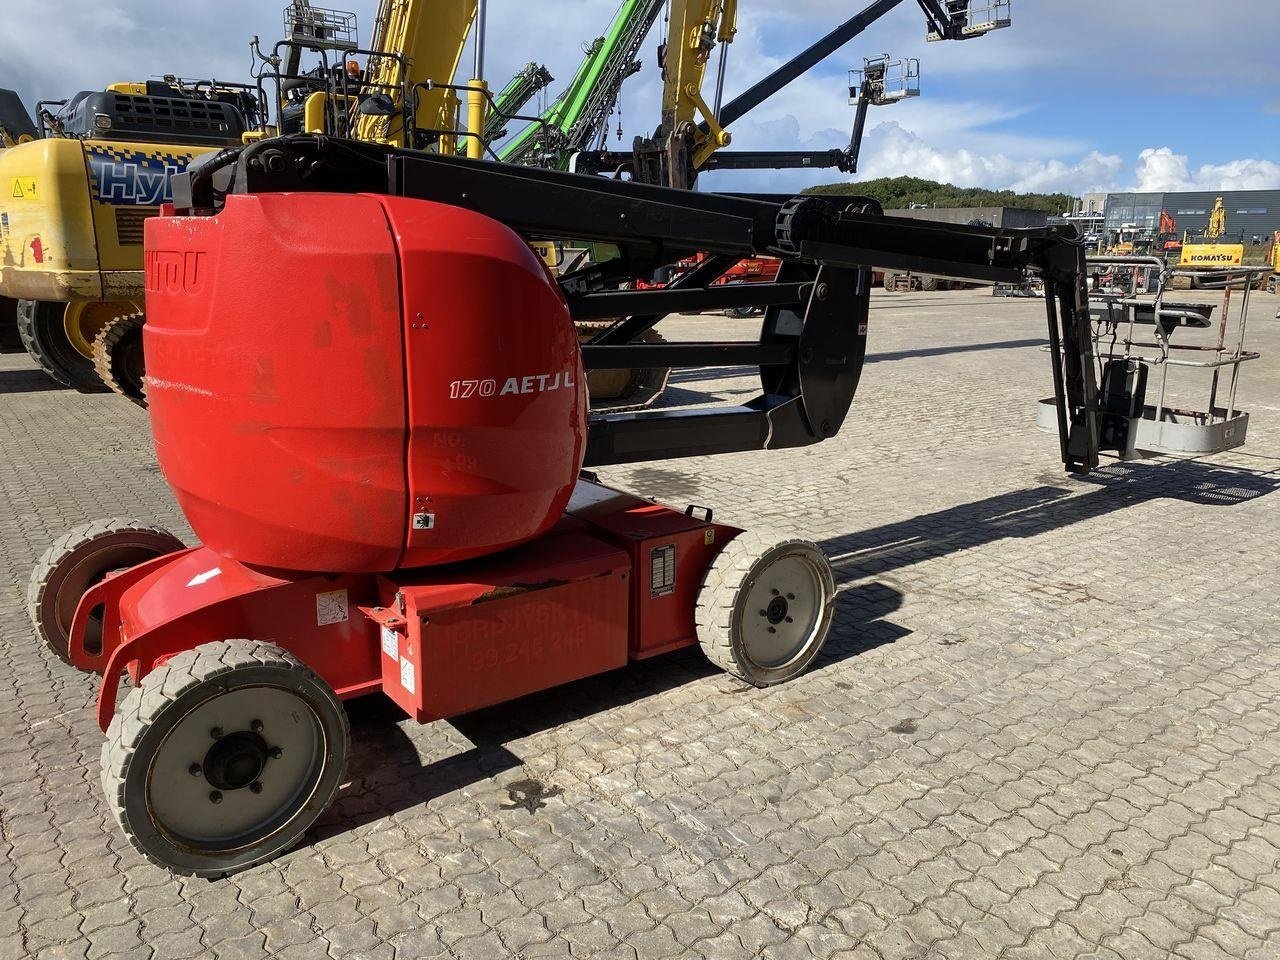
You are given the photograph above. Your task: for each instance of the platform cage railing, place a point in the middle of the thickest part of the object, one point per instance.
(321, 27)
(883, 80)
(972, 18)
(1134, 328)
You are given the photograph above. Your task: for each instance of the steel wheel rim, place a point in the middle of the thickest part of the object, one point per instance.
(83, 320)
(89, 572)
(782, 613)
(205, 794)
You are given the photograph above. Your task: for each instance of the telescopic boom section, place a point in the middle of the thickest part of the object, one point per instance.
(419, 41)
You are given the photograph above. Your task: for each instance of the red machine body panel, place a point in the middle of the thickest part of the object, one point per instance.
(381, 410)
(617, 578)
(496, 392)
(544, 614)
(669, 552)
(280, 423)
(197, 596)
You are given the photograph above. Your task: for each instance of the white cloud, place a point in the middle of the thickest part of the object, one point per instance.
(1159, 169)
(892, 150)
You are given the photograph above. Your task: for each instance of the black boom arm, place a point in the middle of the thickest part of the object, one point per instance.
(810, 351)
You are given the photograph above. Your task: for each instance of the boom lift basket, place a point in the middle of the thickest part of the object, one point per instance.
(1128, 360)
(883, 81)
(973, 19)
(320, 27)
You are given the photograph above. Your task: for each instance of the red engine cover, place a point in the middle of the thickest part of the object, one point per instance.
(359, 383)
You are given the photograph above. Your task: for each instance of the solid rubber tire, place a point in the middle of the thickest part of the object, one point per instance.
(153, 709)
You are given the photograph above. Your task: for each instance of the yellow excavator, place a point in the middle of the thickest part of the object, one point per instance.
(405, 86)
(74, 192)
(1208, 254)
(415, 41)
(15, 128)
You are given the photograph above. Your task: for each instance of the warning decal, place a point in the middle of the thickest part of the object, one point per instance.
(22, 188)
(331, 607)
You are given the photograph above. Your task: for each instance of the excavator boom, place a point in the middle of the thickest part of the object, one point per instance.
(416, 41)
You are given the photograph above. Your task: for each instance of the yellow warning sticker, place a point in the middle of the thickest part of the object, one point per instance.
(23, 188)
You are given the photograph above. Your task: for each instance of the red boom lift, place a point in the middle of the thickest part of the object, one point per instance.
(388, 468)
(385, 470)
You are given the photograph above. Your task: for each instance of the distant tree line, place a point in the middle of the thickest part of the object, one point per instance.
(898, 193)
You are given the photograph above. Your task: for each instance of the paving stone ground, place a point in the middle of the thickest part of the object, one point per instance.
(1046, 726)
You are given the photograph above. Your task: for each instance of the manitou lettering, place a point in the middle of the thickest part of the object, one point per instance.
(168, 271)
(533, 383)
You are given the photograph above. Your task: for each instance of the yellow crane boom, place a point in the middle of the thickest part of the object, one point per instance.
(418, 41)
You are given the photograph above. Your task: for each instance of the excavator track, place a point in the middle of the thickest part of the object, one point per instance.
(117, 357)
(617, 391)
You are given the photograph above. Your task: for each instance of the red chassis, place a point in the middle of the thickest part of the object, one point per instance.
(616, 579)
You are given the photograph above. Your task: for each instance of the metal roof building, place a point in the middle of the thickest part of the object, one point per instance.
(1250, 213)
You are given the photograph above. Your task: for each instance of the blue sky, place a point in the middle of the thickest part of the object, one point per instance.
(1073, 97)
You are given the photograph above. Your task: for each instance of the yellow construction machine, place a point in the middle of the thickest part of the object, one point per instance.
(73, 201)
(15, 128)
(1273, 261)
(74, 193)
(1209, 255)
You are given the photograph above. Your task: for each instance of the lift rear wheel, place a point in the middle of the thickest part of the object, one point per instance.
(117, 357)
(77, 561)
(223, 757)
(765, 608)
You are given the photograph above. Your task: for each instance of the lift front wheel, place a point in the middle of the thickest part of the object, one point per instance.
(79, 560)
(223, 757)
(765, 608)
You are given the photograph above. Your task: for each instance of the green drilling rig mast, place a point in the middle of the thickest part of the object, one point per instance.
(576, 120)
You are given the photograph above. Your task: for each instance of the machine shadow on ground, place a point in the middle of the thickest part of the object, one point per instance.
(28, 381)
(1039, 510)
(956, 348)
(386, 774)
(682, 389)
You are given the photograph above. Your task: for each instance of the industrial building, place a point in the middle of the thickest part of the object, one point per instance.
(1250, 213)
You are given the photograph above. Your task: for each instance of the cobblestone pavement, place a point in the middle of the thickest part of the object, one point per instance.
(1046, 724)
